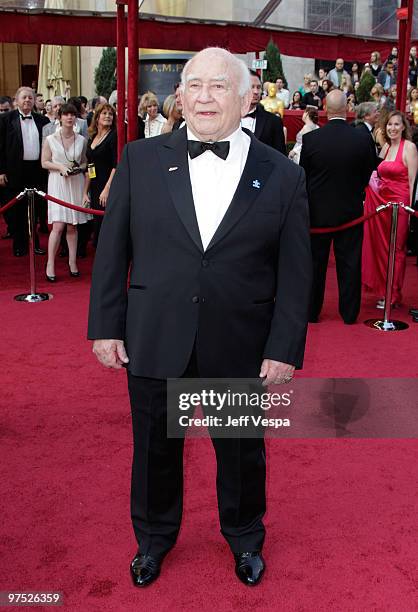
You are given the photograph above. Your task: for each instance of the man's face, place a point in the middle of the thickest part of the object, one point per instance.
(372, 117)
(212, 105)
(314, 87)
(55, 108)
(40, 103)
(255, 90)
(279, 84)
(25, 101)
(339, 64)
(5, 107)
(389, 67)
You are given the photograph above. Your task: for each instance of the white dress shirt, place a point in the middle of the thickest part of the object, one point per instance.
(30, 137)
(214, 182)
(154, 127)
(249, 121)
(284, 96)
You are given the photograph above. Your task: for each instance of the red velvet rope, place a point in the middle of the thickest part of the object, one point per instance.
(9, 204)
(340, 228)
(90, 211)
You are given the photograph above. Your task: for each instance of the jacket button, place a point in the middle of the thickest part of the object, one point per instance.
(195, 299)
(205, 263)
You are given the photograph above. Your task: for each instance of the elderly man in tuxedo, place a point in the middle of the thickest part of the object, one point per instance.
(213, 227)
(20, 165)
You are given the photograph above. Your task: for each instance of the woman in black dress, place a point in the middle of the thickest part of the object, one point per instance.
(102, 159)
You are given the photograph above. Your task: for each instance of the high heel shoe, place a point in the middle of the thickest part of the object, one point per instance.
(51, 279)
(73, 274)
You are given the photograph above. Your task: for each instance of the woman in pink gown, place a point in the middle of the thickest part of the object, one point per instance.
(396, 175)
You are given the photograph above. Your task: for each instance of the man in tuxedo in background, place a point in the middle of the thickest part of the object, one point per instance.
(367, 114)
(338, 162)
(20, 163)
(213, 226)
(265, 126)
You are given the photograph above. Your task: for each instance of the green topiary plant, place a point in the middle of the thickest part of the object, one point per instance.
(367, 82)
(274, 68)
(104, 75)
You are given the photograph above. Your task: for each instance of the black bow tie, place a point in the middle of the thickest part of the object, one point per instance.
(196, 148)
(23, 117)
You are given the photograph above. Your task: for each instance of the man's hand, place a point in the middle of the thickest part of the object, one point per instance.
(3, 180)
(276, 372)
(110, 353)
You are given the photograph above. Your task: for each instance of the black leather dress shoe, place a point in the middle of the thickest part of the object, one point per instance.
(144, 569)
(39, 251)
(413, 312)
(249, 567)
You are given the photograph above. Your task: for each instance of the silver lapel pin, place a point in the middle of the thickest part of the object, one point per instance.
(256, 184)
(173, 168)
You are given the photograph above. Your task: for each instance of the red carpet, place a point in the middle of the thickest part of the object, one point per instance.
(342, 518)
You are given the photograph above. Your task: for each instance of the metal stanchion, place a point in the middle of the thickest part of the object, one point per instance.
(388, 325)
(33, 296)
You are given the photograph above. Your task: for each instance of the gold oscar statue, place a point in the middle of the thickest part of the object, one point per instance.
(271, 103)
(414, 111)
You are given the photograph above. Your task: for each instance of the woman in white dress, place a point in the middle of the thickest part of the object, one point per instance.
(154, 121)
(64, 155)
(310, 119)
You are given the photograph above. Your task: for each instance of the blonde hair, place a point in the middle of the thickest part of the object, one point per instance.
(378, 88)
(169, 105)
(148, 99)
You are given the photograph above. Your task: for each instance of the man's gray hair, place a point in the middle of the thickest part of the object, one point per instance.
(24, 88)
(238, 66)
(57, 100)
(364, 109)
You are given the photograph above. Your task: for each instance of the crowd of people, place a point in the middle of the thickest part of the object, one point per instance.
(314, 89)
(69, 149)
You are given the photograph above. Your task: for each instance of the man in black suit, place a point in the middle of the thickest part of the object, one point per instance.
(367, 114)
(265, 126)
(213, 226)
(338, 162)
(314, 97)
(20, 165)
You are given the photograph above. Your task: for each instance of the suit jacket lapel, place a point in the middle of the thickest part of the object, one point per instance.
(259, 122)
(39, 125)
(18, 130)
(253, 179)
(174, 161)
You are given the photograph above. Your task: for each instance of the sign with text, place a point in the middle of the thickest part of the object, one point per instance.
(259, 64)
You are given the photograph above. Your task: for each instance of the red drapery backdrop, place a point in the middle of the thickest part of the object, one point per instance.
(101, 32)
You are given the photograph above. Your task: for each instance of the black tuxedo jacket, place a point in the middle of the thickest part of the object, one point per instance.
(244, 298)
(365, 130)
(11, 146)
(269, 129)
(338, 162)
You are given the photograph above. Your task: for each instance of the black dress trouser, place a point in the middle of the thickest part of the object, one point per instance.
(347, 251)
(157, 476)
(18, 217)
